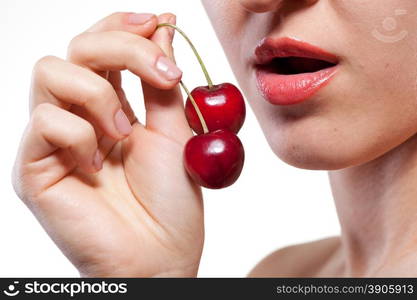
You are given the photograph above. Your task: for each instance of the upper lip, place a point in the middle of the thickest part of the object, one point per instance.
(270, 48)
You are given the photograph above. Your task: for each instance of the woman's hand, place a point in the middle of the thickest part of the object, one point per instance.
(110, 190)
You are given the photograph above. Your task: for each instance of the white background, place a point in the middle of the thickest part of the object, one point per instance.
(272, 205)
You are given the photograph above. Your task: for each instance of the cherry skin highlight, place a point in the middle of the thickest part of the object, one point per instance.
(215, 159)
(222, 106)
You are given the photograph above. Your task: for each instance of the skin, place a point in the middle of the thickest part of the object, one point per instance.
(124, 217)
(117, 218)
(361, 127)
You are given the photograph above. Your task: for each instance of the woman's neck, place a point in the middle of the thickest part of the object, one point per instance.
(377, 208)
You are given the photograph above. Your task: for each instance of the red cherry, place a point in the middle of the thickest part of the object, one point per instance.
(221, 105)
(215, 159)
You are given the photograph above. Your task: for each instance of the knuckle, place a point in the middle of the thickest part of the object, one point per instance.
(24, 182)
(40, 116)
(83, 133)
(133, 46)
(99, 90)
(75, 47)
(138, 49)
(42, 67)
(115, 15)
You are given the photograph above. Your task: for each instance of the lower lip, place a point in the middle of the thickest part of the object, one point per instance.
(292, 89)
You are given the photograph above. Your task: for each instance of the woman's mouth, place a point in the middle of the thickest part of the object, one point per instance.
(289, 71)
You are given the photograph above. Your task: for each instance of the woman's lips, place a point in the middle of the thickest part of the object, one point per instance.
(292, 89)
(289, 71)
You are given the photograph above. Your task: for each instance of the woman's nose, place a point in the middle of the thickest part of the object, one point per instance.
(260, 6)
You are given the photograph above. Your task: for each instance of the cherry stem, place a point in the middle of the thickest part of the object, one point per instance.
(203, 67)
(197, 109)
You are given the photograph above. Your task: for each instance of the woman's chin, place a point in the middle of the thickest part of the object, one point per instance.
(314, 153)
(302, 158)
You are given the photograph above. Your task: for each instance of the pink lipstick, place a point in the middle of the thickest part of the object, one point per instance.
(289, 71)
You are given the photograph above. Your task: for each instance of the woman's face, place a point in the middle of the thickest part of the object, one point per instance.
(354, 75)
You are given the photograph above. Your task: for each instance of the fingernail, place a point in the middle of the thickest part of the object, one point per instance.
(122, 123)
(97, 160)
(168, 69)
(139, 19)
(172, 19)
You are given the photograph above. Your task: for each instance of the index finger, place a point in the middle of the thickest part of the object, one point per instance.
(143, 24)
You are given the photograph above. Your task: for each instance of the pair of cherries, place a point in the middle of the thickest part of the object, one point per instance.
(214, 157)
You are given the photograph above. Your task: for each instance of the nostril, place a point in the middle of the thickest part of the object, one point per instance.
(260, 6)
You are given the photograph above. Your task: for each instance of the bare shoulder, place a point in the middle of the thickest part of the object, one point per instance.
(303, 260)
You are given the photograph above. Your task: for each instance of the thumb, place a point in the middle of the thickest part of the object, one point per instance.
(165, 35)
(165, 108)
